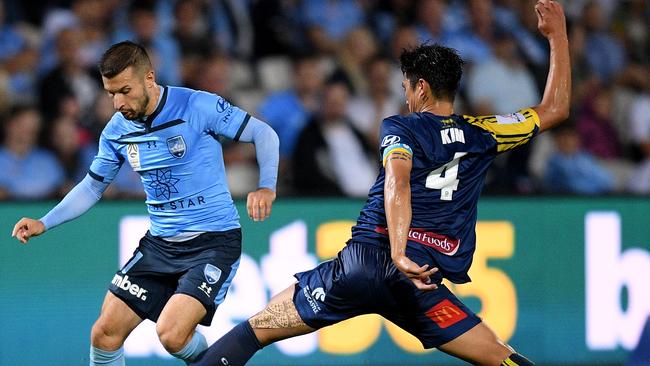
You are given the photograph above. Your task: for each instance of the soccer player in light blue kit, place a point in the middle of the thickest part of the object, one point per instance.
(183, 266)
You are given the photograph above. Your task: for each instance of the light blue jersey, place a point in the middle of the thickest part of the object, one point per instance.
(179, 159)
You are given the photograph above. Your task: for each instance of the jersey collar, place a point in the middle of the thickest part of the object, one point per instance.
(148, 120)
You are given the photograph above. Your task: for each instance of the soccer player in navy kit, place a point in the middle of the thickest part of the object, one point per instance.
(183, 266)
(418, 223)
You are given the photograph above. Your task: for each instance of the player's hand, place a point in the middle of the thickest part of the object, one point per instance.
(550, 18)
(419, 275)
(26, 228)
(259, 202)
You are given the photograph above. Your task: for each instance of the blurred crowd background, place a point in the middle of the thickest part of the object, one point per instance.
(323, 74)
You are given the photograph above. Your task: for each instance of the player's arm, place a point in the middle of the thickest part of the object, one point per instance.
(398, 161)
(267, 145)
(516, 129)
(554, 107)
(216, 116)
(81, 198)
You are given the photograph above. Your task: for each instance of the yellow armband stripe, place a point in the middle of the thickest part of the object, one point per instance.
(396, 148)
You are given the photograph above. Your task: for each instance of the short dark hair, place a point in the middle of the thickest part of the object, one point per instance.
(9, 116)
(440, 66)
(122, 55)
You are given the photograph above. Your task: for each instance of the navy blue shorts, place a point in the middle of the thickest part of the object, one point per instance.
(202, 267)
(363, 280)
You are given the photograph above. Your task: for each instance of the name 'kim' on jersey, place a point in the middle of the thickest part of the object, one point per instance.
(451, 156)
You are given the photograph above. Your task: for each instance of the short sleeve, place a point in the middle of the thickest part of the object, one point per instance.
(394, 136)
(106, 163)
(510, 130)
(215, 115)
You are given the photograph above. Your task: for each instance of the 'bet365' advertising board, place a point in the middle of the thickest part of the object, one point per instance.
(564, 281)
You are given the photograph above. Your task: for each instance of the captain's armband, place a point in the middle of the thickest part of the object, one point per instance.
(397, 151)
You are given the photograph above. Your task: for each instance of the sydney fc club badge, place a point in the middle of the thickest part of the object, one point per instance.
(212, 273)
(176, 146)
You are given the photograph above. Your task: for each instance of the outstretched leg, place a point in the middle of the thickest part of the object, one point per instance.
(279, 320)
(480, 346)
(334, 291)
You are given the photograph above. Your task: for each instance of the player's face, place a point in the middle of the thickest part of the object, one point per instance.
(130, 92)
(410, 95)
(416, 96)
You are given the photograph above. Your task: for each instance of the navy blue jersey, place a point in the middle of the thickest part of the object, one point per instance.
(451, 155)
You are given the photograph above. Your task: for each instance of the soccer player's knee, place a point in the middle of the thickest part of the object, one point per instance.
(516, 359)
(172, 338)
(101, 336)
(98, 333)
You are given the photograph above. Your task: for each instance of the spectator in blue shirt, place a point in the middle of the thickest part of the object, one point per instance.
(328, 22)
(573, 170)
(431, 24)
(233, 29)
(18, 59)
(288, 111)
(11, 41)
(604, 54)
(473, 41)
(28, 172)
(145, 28)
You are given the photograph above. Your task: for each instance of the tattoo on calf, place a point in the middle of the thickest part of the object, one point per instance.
(278, 315)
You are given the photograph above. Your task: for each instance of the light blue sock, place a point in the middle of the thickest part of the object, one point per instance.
(106, 358)
(193, 348)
